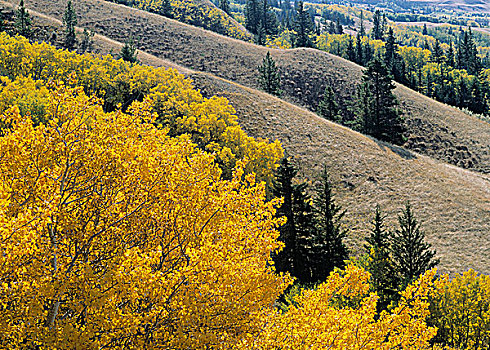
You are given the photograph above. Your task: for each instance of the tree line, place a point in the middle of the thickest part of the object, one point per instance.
(375, 106)
(314, 236)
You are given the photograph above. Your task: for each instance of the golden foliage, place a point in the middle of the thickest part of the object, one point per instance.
(460, 309)
(199, 14)
(182, 109)
(114, 234)
(316, 323)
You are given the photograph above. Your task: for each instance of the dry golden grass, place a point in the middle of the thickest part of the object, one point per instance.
(453, 203)
(439, 131)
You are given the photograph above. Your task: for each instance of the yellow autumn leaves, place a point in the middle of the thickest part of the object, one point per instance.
(116, 232)
(26, 67)
(199, 13)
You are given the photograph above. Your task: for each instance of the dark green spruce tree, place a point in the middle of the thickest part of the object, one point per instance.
(69, 23)
(129, 52)
(297, 232)
(303, 27)
(167, 10)
(351, 52)
(260, 19)
(393, 61)
(377, 31)
(269, 77)
(450, 60)
(438, 53)
(23, 22)
(328, 107)
(338, 27)
(380, 266)
(377, 112)
(412, 255)
(359, 50)
(362, 30)
(252, 15)
(87, 41)
(329, 250)
(225, 5)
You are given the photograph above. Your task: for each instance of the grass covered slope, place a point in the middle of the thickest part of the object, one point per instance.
(454, 204)
(434, 129)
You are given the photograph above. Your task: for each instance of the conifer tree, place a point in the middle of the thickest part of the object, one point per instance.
(450, 61)
(225, 5)
(367, 53)
(167, 9)
(359, 50)
(383, 279)
(467, 57)
(338, 27)
(424, 30)
(393, 61)
(261, 36)
(328, 107)
(259, 16)
(377, 26)
(269, 77)
(411, 254)
(362, 30)
(268, 19)
(23, 22)
(438, 52)
(129, 52)
(87, 41)
(296, 233)
(331, 28)
(303, 27)
(329, 250)
(69, 23)
(252, 15)
(478, 103)
(377, 110)
(351, 52)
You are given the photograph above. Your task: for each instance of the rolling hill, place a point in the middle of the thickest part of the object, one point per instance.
(459, 5)
(434, 129)
(453, 203)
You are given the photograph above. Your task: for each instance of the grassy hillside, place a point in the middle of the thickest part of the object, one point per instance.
(434, 129)
(454, 204)
(459, 5)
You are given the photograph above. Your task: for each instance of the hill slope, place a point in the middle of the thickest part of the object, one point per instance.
(435, 129)
(454, 204)
(458, 5)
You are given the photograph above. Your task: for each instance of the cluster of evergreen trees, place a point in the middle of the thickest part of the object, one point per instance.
(396, 258)
(313, 236)
(260, 19)
(441, 80)
(376, 107)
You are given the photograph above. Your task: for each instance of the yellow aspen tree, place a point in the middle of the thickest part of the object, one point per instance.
(114, 235)
(316, 322)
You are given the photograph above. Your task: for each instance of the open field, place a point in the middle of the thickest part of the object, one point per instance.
(453, 203)
(436, 130)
